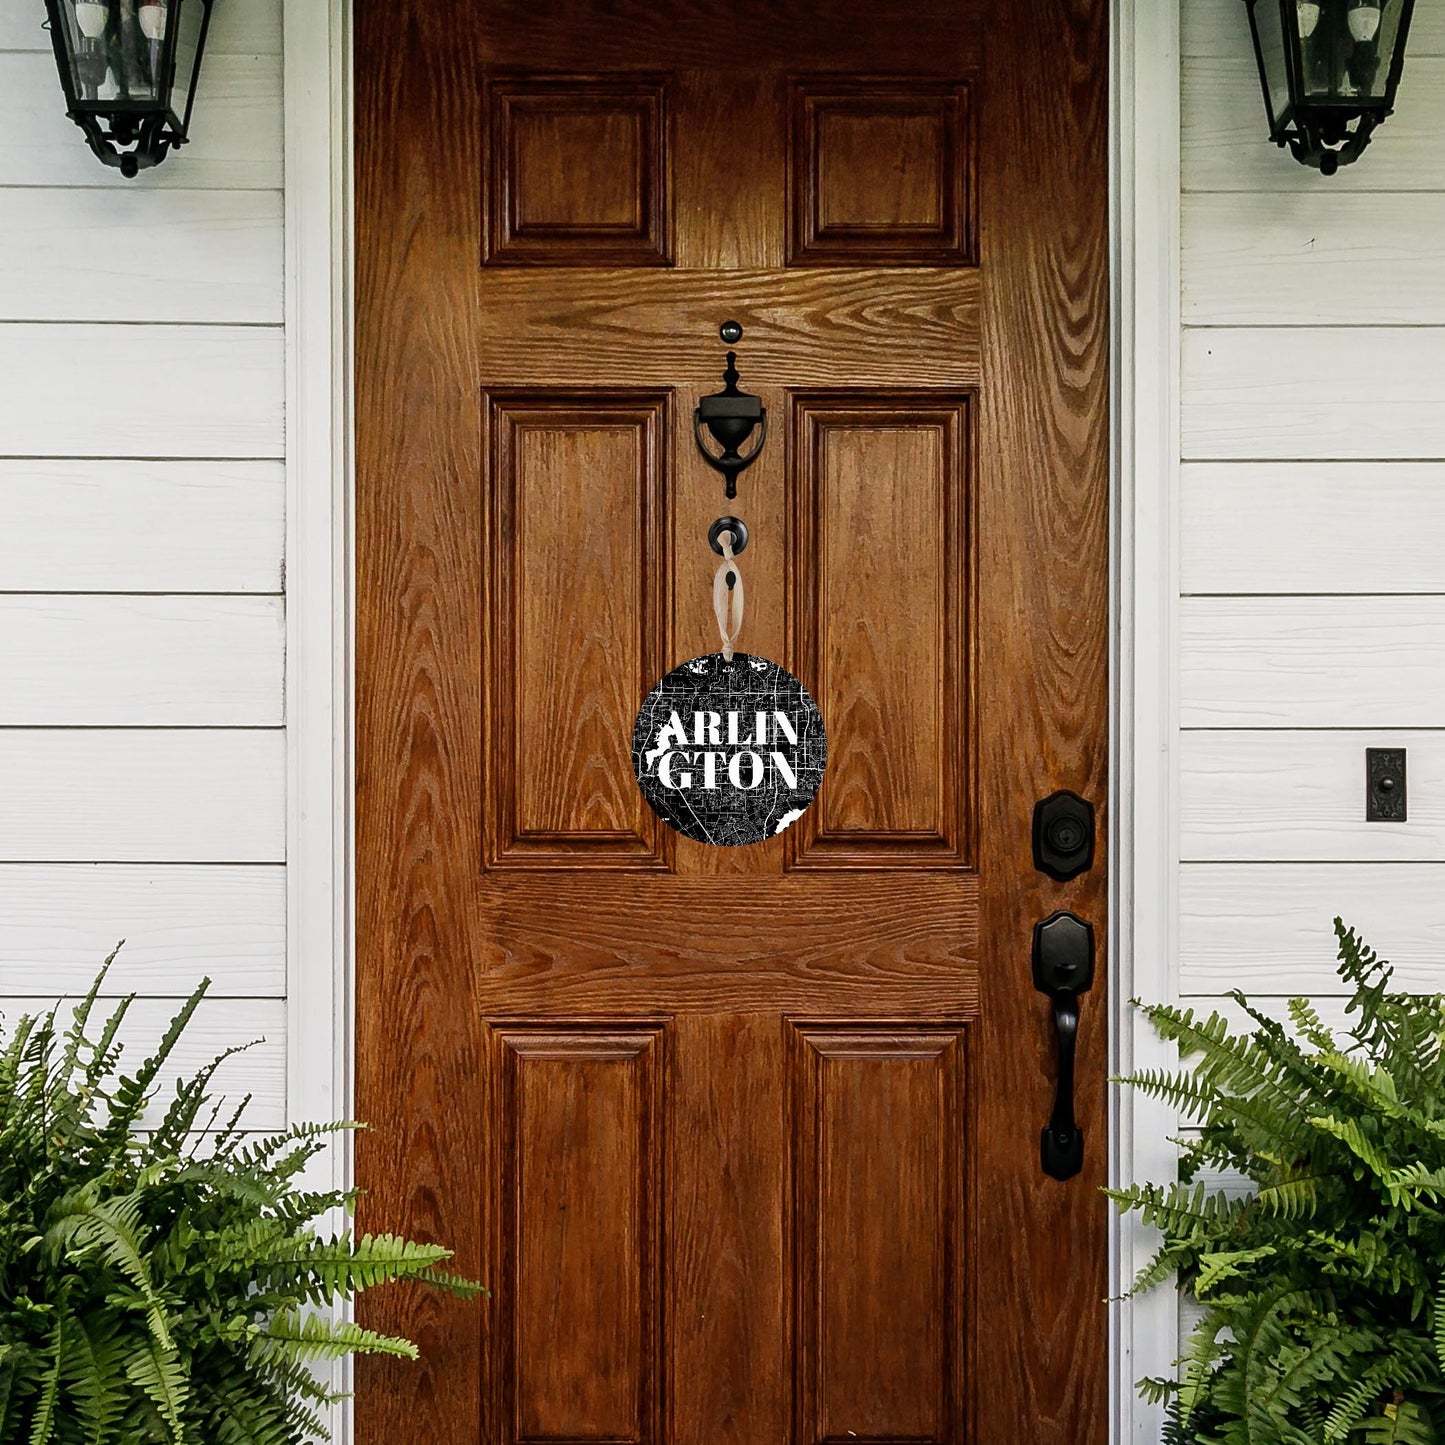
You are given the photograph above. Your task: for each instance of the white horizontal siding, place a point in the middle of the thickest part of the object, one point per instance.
(1312, 508)
(180, 924)
(1284, 260)
(1313, 392)
(238, 27)
(219, 1024)
(208, 256)
(1265, 929)
(140, 795)
(1225, 143)
(141, 391)
(1283, 796)
(188, 526)
(1311, 662)
(1331, 527)
(235, 132)
(142, 524)
(1221, 28)
(142, 661)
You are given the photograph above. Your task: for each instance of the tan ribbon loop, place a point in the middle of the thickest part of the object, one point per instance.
(727, 602)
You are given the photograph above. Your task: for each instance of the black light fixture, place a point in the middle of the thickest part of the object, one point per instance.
(1330, 69)
(129, 68)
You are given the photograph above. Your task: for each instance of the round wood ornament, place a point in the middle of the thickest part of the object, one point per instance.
(729, 750)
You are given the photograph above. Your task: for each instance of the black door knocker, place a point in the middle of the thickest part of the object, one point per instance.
(731, 416)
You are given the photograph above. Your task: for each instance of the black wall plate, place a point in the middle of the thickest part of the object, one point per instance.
(1385, 800)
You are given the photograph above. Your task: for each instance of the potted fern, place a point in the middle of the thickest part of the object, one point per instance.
(161, 1278)
(1321, 1274)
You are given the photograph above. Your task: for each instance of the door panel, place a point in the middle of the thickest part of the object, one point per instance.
(745, 1141)
(560, 731)
(879, 483)
(879, 1228)
(580, 1175)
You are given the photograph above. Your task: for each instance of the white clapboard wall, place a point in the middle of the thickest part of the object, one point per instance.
(142, 517)
(1312, 528)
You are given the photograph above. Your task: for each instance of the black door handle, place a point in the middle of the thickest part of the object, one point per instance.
(1063, 969)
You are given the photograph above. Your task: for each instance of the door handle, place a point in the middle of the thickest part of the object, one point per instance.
(1063, 963)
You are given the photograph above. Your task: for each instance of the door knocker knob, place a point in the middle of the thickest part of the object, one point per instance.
(731, 416)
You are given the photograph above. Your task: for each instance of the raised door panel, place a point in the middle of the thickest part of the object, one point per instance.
(880, 173)
(879, 1233)
(880, 575)
(577, 544)
(578, 172)
(576, 1338)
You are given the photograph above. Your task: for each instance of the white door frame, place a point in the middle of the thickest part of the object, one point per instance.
(1144, 250)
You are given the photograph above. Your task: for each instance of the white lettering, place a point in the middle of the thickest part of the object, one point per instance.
(672, 730)
(735, 769)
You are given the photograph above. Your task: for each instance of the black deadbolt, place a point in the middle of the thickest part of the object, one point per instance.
(1063, 835)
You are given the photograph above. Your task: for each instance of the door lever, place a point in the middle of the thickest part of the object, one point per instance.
(1063, 968)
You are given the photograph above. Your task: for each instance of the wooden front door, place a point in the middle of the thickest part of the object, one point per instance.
(744, 1141)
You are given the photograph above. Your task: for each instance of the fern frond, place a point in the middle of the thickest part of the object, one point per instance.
(158, 1372)
(42, 1425)
(313, 1337)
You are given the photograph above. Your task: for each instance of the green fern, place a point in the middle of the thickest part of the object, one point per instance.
(167, 1285)
(1322, 1283)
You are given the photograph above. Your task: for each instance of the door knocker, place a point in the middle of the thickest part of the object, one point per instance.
(729, 749)
(731, 416)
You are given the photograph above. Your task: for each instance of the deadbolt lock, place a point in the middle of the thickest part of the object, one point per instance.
(1063, 835)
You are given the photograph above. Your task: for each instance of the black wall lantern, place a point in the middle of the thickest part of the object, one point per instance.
(129, 68)
(1330, 69)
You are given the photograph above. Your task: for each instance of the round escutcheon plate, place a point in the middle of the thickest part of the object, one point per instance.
(729, 753)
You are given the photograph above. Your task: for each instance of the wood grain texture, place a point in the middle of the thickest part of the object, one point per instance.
(91, 795)
(223, 387)
(721, 952)
(420, 601)
(880, 172)
(1267, 929)
(1312, 662)
(804, 328)
(1293, 393)
(1269, 260)
(1225, 144)
(1326, 527)
(85, 661)
(578, 171)
(1221, 28)
(894, 38)
(882, 624)
(879, 1232)
(76, 254)
(218, 1024)
(560, 727)
(1041, 679)
(180, 924)
(579, 1220)
(1300, 797)
(188, 526)
(235, 139)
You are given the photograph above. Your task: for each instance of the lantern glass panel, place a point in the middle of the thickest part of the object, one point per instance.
(190, 25)
(1345, 57)
(1268, 19)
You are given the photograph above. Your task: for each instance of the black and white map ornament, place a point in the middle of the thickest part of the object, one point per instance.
(729, 750)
